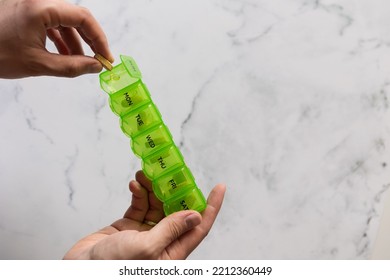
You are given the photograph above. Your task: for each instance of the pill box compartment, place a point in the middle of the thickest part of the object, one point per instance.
(162, 162)
(173, 183)
(151, 141)
(193, 199)
(140, 120)
(116, 79)
(129, 99)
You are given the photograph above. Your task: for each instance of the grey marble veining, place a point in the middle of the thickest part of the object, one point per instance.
(284, 101)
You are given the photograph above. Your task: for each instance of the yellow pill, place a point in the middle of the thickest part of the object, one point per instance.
(114, 77)
(106, 64)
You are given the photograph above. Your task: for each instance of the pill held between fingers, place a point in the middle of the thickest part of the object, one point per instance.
(106, 64)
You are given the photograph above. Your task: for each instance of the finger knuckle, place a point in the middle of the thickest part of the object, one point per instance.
(174, 229)
(30, 9)
(85, 12)
(71, 72)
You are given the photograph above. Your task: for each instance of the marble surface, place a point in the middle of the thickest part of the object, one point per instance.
(287, 102)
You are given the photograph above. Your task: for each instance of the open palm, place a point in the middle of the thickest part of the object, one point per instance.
(135, 237)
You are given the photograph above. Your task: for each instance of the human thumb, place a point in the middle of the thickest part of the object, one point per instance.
(172, 227)
(66, 65)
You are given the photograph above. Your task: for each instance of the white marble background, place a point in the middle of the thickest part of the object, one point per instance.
(287, 102)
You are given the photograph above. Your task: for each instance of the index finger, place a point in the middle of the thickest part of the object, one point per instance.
(69, 15)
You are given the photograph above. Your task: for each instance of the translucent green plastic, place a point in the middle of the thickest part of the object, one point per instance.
(162, 162)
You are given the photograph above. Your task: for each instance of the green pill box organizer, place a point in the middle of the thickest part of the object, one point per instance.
(151, 140)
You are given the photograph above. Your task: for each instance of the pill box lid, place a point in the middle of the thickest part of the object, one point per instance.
(122, 75)
(131, 66)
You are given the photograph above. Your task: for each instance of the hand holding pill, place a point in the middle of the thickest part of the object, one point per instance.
(26, 25)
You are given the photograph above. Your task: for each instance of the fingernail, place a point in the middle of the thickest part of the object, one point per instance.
(192, 220)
